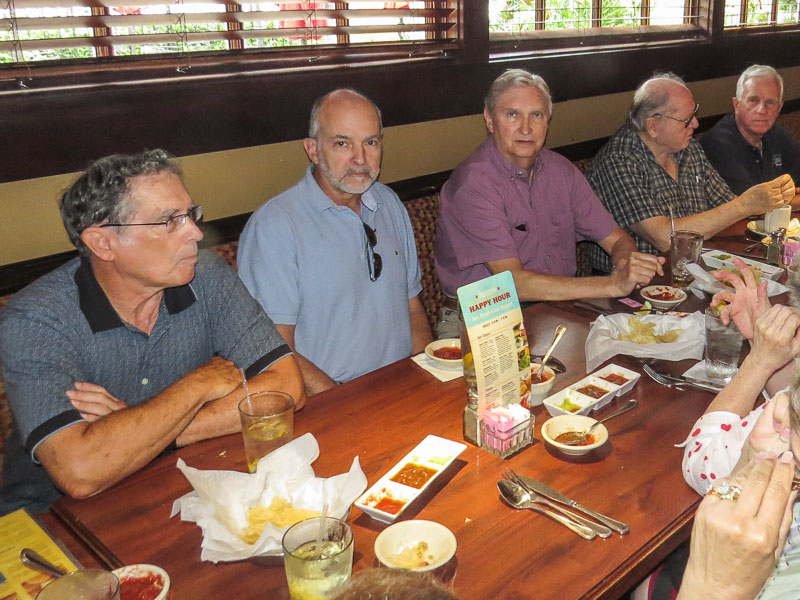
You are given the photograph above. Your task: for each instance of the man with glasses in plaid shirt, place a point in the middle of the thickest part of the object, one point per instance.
(132, 348)
(333, 260)
(652, 171)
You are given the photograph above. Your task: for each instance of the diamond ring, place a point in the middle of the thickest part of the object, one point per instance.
(726, 491)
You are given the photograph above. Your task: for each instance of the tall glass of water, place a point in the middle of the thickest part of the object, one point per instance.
(318, 557)
(723, 346)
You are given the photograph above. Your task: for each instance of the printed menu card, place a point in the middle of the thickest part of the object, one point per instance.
(496, 331)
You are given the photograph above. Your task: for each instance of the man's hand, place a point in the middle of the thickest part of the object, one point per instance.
(746, 303)
(93, 401)
(638, 270)
(768, 196)
(736, 543)
(215, 379)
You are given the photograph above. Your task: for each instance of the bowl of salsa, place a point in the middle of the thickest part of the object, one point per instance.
(540, 386)
(142, 582)
(565, 426)
(446, 353)
(663, 297)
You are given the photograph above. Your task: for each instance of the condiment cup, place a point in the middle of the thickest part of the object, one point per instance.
(441, 544)
(144, 571)
(444, 363)
(554, 427)
(652, 290)
(540, 391)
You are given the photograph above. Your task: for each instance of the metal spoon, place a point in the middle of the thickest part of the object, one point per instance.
(31, 558)
(516, 497)
(561, 329)
(580, 437)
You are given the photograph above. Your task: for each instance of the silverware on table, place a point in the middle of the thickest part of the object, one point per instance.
(600, 530)
(516, 497)
(679, 380)
(31, 558)
(545, 490)
(561, 329)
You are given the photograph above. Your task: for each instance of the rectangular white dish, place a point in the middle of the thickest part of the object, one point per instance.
(387, 499)
(553, 403)
(716, 259)
(631, 376)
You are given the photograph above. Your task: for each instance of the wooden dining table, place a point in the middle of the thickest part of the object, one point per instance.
(502, 553)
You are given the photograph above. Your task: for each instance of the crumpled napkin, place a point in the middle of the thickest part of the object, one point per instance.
(706, 282)
(601, 343)
(220, 499)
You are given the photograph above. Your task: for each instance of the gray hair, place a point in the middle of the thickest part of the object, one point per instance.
(758, 71)
(649, 100)
(516, 78)
(313, 123)
(102, 193)
(394, 584)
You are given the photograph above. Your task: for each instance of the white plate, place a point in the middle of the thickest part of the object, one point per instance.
(142, 570)
(716, 259)
(441, 543)
(554, 427)
(678, 294)
(631, 376)
(433, 453)
(444, 363)
(757, 228)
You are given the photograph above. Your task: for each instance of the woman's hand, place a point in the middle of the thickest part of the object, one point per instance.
(770, 436)
(736, 543)
(776, 338)
(746, 303)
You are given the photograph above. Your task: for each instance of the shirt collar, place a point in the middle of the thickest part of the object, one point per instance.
(97, 309)
(320, 201)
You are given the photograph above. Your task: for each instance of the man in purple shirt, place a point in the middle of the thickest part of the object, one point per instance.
(513, 205)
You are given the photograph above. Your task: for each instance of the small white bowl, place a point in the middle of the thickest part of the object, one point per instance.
(444, 363)
(142, 570)
(553, 403)
(554, 427)
(677, 295)
(540, 391)
(407, 534)
(631, 376)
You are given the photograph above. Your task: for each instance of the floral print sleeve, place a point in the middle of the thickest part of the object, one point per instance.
(714, 445)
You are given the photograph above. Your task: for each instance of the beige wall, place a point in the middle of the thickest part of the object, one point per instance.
(238, 181)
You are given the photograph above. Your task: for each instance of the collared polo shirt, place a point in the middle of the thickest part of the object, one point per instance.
(492, 209)
(62, 329)
(741, 165)
(634, 187)
(306, 260)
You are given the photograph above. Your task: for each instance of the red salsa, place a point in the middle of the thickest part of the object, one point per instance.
(568, 437)
(662, 294)
(614, 378)
(536, 379)
(413, 475)
(147, 587)
(390, 505)
(593, 391)
(448, 353)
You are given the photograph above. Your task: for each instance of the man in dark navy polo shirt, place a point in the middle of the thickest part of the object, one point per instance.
(747, 146)
(131, 348)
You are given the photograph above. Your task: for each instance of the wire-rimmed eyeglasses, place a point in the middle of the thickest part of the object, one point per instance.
(685, 122)
(171, 224)
(376, 264)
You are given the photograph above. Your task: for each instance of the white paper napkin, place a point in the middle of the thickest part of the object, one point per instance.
(705, 281)
(697, 372)
(221, 499)
(431, 367)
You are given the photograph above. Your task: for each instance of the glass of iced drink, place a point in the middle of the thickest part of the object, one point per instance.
(86, 584)
(318, 557)
(684, 248)
(267, 423)
(723, 346)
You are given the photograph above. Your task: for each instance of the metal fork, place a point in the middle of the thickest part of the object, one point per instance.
(663, 380)
(600, 530)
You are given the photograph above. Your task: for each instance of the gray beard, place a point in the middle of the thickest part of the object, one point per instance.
(341, 184)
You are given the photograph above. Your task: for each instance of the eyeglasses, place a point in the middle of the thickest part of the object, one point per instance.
(171, 224)
(376, 264)
(684, 121)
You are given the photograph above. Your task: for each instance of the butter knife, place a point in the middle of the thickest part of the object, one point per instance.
(547, 491)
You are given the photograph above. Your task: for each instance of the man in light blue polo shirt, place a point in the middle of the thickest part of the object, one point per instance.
(332, 260)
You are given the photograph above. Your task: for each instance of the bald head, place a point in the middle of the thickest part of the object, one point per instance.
(659, 94)
(341, 99)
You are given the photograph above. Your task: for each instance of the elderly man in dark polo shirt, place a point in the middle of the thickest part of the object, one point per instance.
(514, 205)
(132, 348)
(747, 146)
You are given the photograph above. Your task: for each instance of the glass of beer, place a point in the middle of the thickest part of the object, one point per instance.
(267, 423)
(318, 557)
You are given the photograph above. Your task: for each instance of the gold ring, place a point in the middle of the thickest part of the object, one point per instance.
(726, 491)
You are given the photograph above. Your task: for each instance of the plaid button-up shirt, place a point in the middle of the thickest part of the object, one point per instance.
(633, 186)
